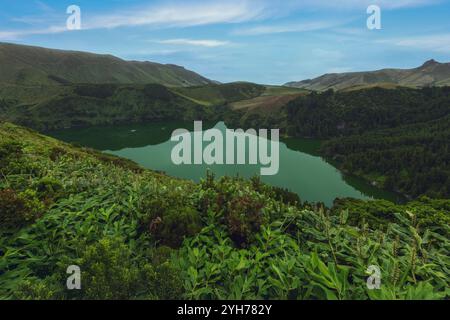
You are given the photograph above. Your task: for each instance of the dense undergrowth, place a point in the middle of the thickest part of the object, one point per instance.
(137, 234)
(84, 105)
(394, 138)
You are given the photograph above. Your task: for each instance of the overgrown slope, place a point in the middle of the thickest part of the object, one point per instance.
(88, 105)
(221, 94)
(54, 107)
(28, 65)
(431, 73)
(139, 234)
(395, 138)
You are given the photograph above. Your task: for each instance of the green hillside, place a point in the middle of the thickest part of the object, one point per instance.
(27, 65)
(221, 94)
(137, 234)
(55, 107)
(431, 73)
(394, 138)
(87, 105)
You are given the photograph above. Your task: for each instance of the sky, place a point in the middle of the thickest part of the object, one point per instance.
(262, 41)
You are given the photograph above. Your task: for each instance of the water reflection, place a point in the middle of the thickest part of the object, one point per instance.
(302, 170)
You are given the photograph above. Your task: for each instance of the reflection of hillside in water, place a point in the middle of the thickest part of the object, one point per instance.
(311, 147)
(119, 137)
(302, 169)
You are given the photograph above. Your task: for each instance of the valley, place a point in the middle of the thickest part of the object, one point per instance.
(86, 180)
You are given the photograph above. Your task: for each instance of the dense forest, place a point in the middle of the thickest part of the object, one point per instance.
(395, 138)
(333, 114)
(138, 234)
(82, 105)
(87, 105)
(413, 160)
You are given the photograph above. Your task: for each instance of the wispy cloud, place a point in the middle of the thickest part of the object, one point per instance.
(182, 14)
(197, 13)
(44, 21)
(191, 42)
(437, 43)
(176, 14)
(272, 29)
(358, 4)
(17, 34)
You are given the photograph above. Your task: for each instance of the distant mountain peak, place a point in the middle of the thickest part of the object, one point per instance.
(431, 73)
(430, 63)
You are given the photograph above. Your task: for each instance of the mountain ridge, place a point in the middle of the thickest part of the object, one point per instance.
(32, 65)
(430, 73)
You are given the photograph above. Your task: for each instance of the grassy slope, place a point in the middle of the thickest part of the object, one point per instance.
(263, 111)
(27, 65)
(430, 73)
(63, 205)
(51, 107)
(220, 94)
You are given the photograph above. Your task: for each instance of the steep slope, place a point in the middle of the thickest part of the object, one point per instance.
(431, 73)
(137, 234)
(101, 104)
(55, 107)
(28, 65)
(394, 138)
(219, 94)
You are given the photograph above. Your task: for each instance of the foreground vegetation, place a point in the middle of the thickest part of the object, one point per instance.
(137, 234)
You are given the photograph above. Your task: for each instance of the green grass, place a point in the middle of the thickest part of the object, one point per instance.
(95, 104)
(28, 65)
(282, 90)
(56, 107)
(137, 234)
(221, 94)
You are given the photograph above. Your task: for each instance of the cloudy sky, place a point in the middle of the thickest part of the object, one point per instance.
(262, 41)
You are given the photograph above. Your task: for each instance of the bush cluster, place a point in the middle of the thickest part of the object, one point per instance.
(18, 209)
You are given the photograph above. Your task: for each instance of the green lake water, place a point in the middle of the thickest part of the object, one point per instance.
(301, 170)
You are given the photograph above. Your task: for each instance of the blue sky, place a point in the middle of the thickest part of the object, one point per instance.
(262, 41)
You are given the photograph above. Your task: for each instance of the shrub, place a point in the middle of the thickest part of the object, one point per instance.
(56, 153)
(168, 283)
(161, 254)
(17, 210)
(174, 225)
(239, 210)
(286, 196)
(157, 92)
(13, 161)
(49, 288)
(243, 219)
(100, 91)
(168, 215)
(110, 271)
(8, 151)
(48, 187)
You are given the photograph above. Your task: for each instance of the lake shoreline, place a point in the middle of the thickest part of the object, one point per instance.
(302, 169)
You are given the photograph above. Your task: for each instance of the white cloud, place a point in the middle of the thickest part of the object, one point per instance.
(182, 14)
(196, 13)
(178, 14)
(358, 4)
(16, 34)
(437, 43)
(191, 42)
(272, 29)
